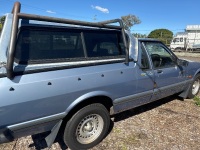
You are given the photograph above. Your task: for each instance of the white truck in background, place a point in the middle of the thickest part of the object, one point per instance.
(188, 40)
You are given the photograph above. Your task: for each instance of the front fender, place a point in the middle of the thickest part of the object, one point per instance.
(193, 68)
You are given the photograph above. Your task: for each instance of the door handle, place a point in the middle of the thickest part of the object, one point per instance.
(159, 71)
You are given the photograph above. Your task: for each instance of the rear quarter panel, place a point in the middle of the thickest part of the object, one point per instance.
(32, 96)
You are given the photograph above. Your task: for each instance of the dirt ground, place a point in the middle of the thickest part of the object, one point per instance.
(170, 124)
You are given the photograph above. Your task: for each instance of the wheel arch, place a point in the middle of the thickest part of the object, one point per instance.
(196, 73)
(186, 92)
(90, 98)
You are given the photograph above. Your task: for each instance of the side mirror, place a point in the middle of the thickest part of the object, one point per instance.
(181, 62)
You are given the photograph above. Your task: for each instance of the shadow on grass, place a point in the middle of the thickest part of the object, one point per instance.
(39, 142)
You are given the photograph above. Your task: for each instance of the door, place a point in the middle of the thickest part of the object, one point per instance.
(169, 77)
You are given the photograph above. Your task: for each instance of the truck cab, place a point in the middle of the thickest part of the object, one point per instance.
(188, 40)
(179, 42)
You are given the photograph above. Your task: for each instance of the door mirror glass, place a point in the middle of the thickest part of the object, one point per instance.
(181, 62)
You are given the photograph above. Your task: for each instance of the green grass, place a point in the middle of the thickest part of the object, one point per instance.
(197, 100)
(116, 130)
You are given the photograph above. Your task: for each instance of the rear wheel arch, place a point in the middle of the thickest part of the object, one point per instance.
(104, 100)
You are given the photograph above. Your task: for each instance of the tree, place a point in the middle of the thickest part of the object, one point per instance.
(163, 35)
(2, 19)
(130, 20)
(139, 35)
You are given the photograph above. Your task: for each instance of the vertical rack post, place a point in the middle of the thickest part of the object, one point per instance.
(13, 38)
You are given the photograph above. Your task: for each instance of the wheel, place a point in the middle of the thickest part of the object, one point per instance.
(191, 50)
(87, 127)
(194, 89)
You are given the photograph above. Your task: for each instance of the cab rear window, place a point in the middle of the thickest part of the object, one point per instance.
(46, 45)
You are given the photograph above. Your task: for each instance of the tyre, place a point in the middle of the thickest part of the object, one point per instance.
(87, 127)
(194, 89)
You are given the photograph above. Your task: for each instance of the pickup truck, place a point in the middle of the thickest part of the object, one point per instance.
(68, 76)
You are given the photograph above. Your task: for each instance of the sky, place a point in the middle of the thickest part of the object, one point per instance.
(173, 15)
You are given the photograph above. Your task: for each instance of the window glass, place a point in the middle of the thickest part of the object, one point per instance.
(38, 45)
(161, 58)
(176, 40)
(181, 39)
(101, 44)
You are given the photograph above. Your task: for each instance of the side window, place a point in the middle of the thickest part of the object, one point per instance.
(161, 58)
(35, 46)
(103, 44)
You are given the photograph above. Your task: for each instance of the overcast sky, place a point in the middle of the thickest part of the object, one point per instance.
(169, 14)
